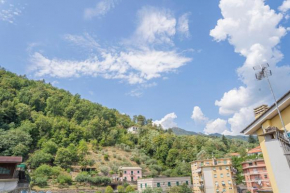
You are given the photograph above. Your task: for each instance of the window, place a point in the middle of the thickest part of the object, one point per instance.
(224, 190)
(265, 176)
(125, 172)
(141, 185)
(138, 172)
(207, 163)
(229, 182)
(177, 183)
(228, 175)
(201, 163)
(132, 179)
(223, 183)
(250, 164)
(215, 175)
(227, 168)
(225, 161)
(222, 175)
(221, 168)
(169, 184)
(125, 178)
(158, 184)
(214, 169)
(4, 171)
(145, 185)
(131, 172)
(186, 182)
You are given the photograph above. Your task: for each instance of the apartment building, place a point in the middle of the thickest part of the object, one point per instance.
(255, 151)
(130, 174)
(164, 183)
(213, 176)
(274, 143)
(256, 176)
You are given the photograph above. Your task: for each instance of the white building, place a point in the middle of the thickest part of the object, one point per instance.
(133, 129)
(164, 183)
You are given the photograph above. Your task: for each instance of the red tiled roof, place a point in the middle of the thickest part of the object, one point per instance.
(234, 154)
(255, 150)
(10, 159)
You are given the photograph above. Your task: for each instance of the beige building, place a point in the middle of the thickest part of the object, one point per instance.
(213, 176)
(164, 183)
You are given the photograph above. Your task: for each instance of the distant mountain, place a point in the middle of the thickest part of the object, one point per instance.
(179, 131)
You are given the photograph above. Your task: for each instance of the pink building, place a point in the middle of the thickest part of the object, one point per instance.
(256, 176)
(130, 174)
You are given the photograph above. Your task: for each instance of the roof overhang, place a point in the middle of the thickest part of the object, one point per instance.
(283, 102)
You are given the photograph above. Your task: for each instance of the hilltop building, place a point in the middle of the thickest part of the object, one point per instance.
(255, 151)
(130, 174)
(256, 176)
(9, 175)
(213, 176)
(133, 130)
(164, 183)
(275, 146)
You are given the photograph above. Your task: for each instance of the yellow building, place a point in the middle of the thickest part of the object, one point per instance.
(274, 144)
(213, 176)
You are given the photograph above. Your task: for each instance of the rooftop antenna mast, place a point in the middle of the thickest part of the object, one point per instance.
(263, 72)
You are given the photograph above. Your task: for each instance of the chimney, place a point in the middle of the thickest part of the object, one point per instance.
(260, 110)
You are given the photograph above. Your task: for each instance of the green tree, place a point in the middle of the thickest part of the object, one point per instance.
(63, 158)
(109, 189)
(121, 189)
(252, 139)
(39, 157)
(49, 147)
(129, 189)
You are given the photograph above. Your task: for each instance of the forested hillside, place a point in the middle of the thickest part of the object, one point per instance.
(51, 126)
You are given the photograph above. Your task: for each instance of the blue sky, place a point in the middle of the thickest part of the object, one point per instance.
(181, 63)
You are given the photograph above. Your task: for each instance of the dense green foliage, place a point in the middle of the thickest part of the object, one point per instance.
(51, 128)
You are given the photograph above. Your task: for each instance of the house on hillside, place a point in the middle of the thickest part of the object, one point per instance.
(130, 174)
(9, 175)
(255, 151)
(164, 183)
(133, 130)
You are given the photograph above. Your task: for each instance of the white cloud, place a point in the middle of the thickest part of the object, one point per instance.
(254, 30)
(85, 41)
(183, 26)
(167, 121)
(101, 9)
(197, 115)
(155, 26)
(285, 6)
(135, 63)
(215, 126)
(8, 12)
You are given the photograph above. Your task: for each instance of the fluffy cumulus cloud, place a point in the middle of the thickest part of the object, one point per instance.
(285, 6)
(254, 30)
(216, 126)
(135, 62)
(101, 9)
(197, 115)
(167, 121)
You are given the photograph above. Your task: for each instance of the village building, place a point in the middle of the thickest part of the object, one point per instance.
(133, 130)
(256, 176)
(255, 151)
(165, 183)
(273, 141)
(9, 175)
(130, 174)
(213, 176)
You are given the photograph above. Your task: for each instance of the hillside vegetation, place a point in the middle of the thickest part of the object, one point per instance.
(55, 131)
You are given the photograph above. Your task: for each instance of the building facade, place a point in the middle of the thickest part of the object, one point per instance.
(255, 151)
(164, 183)
(8, 173)
(213, 176)
(275, 146)
(130, 174)
(256, 176)
(133, 130)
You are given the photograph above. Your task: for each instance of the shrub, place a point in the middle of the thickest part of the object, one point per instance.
(40, 181)
(109, 189)
(121, 189)
(129, 189)
(43, 170)
(64, 179)
(104, 170)
(106, 157)
(82, 177)
(38, 158)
